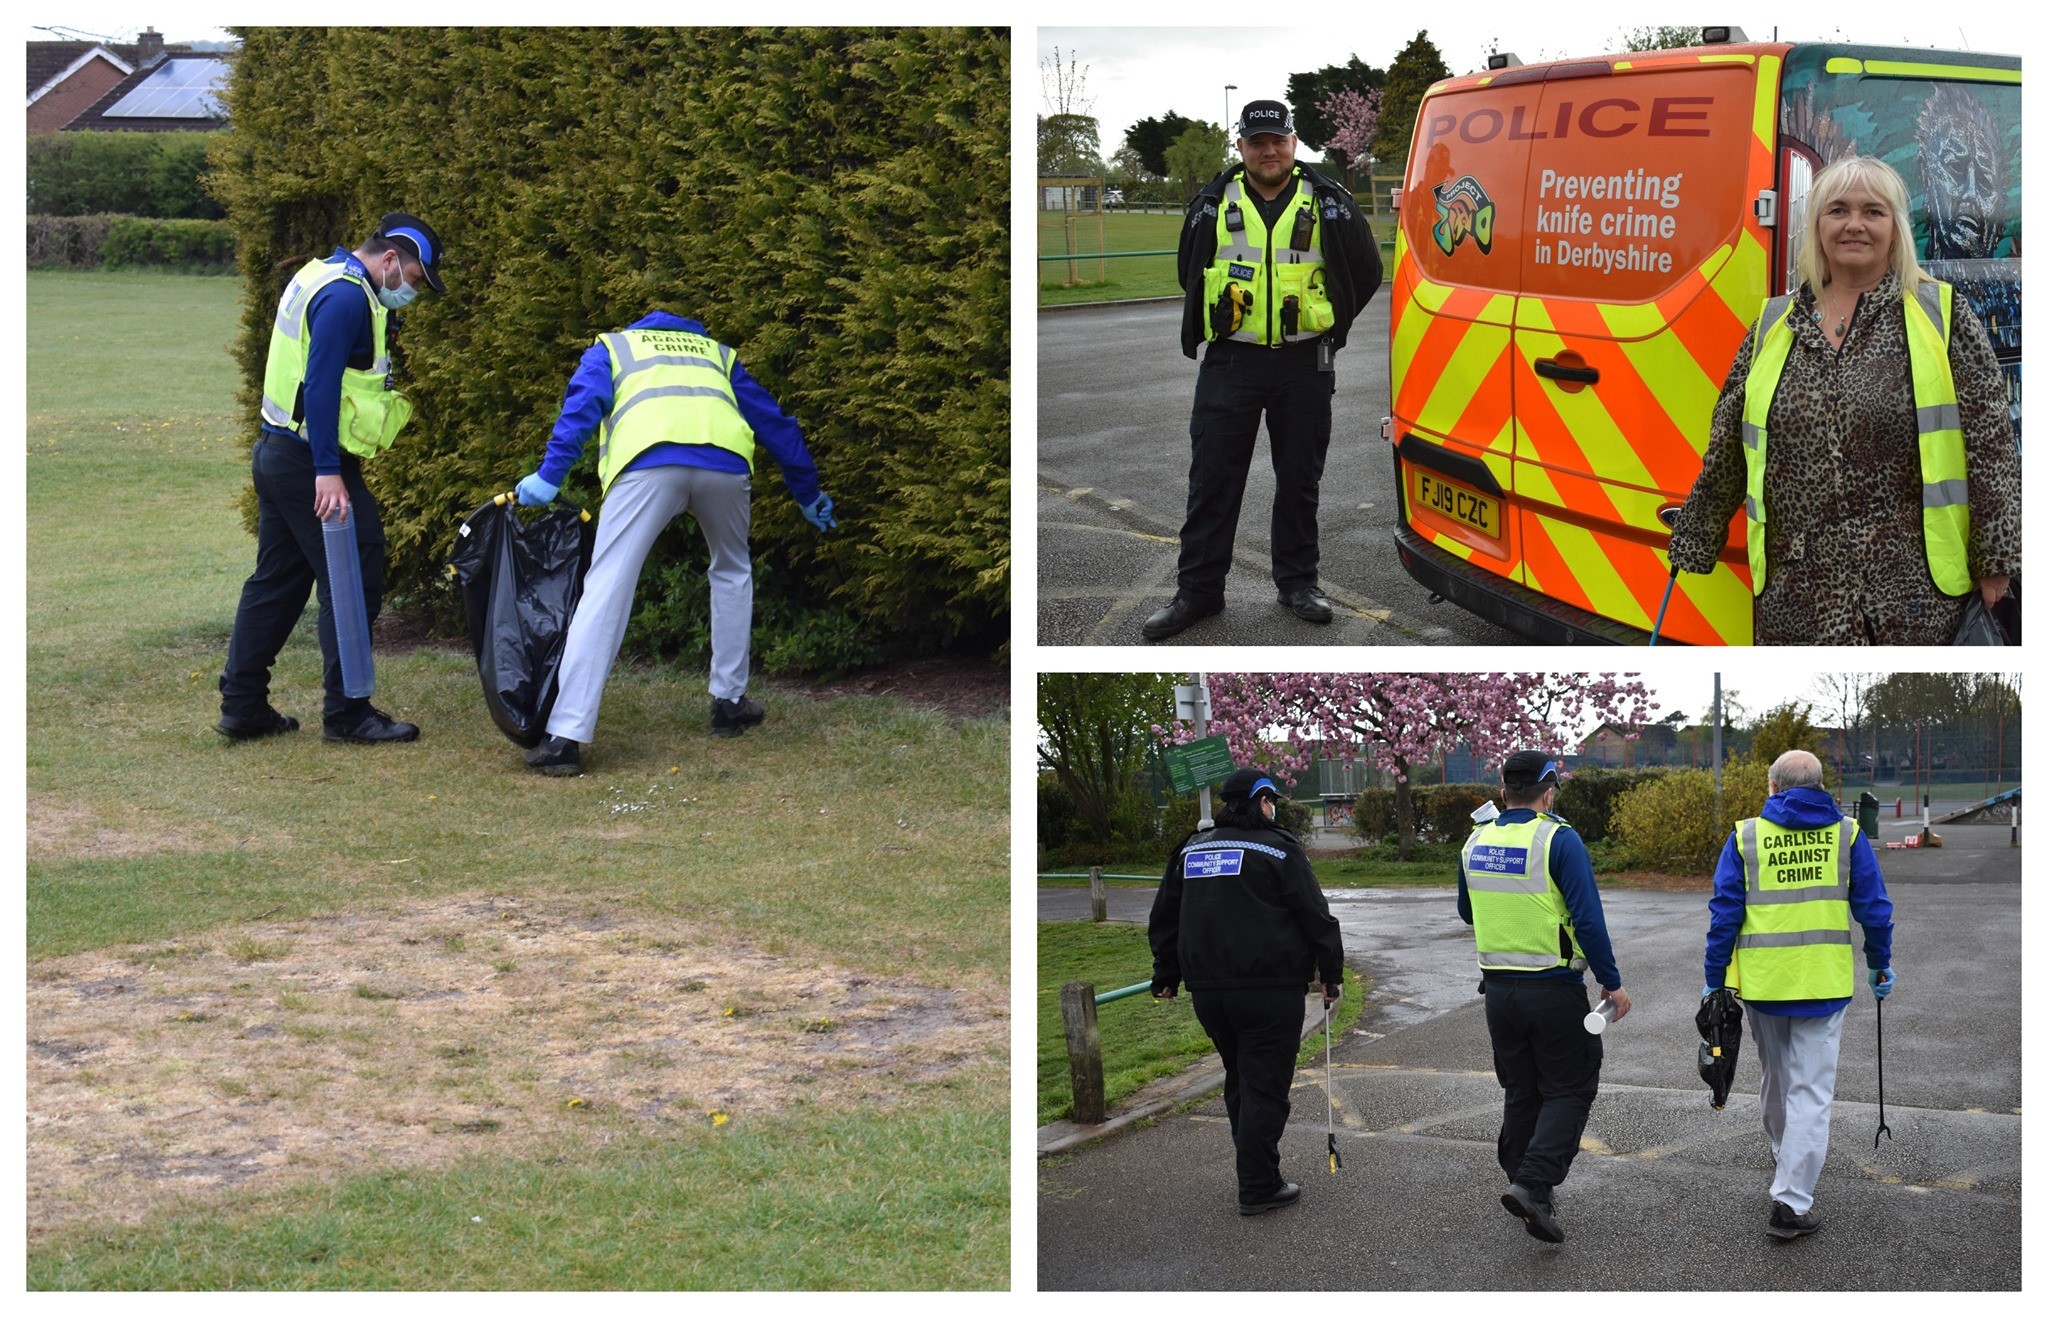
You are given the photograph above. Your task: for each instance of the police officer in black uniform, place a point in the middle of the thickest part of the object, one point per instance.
(1242, 921)
(1276, 263)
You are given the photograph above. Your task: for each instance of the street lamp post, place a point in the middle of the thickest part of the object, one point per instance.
(1228, 88)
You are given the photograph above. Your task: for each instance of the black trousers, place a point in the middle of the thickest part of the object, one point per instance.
(1550, 1068)
(1257, 1033)
(1237, 385)
(291, 561)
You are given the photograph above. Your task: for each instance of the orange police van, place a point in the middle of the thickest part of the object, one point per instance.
(1581, 247)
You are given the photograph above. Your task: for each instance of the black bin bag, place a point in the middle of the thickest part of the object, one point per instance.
(520, 580)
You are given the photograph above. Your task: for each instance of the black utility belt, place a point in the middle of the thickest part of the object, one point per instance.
(1293, 345)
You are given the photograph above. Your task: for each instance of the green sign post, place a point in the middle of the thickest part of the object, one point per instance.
(1199, 764)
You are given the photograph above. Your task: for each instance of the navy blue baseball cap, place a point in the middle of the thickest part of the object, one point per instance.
(1246, 784)
(417, 236)
(1265, 117)
(1526, 769)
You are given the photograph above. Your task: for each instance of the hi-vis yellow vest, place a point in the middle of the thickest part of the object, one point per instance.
(1519, 919)
(668, 387)
(1944, 474)
(1247, 256)
(372, 412)
(1794, 942)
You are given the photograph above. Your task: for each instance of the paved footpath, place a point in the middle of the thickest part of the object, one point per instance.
(1666, 1194)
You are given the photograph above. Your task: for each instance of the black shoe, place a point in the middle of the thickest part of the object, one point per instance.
(729, 718)
(1788, 1225)
(267, 724)
(1309, 605)
(1535, 1213)
(1287, 1194)
(557, 757)
(1178, 617)
(372, 725)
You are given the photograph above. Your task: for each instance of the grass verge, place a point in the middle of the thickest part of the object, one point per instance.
(1143, 1038)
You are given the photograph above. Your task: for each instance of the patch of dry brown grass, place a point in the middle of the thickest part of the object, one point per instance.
(412, 1036)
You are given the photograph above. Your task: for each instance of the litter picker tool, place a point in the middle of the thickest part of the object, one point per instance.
(1883, 1131)
(1329, 1081)
(1665, 605)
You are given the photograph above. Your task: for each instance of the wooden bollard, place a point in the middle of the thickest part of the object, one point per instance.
(1098, 896)
(1084, 1050)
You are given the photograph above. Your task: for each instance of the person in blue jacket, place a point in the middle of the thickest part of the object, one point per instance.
(1525, 885)
(1778, 915)
(328, 344)
(678, 420)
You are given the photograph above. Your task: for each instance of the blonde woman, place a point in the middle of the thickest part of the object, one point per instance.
(1870, 445)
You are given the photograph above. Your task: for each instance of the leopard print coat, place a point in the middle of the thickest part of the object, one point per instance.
(1846, 553)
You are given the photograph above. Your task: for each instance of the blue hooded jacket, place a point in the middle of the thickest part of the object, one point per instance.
(589, 399)
(1799, 807)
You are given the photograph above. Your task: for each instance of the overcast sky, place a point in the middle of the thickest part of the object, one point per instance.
(1138, 73)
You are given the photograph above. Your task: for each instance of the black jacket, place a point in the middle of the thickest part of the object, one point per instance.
(1351, 258)
(1240, 908)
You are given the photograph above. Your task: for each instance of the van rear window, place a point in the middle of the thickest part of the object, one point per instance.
(1609, 189)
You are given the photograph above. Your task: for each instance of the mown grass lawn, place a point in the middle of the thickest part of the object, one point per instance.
(864, 833)
(1080, 279)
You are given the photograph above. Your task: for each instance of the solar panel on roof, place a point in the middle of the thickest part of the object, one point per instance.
(180, 89)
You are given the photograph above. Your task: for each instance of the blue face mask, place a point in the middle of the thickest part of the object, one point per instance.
(400, 297)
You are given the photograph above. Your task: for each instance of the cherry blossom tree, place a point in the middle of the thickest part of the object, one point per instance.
(1285, 722)
(1354, 120)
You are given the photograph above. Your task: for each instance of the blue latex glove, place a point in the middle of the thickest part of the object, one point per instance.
(1881, 982)
(1705, 993)
(819, 514)
(533, 492)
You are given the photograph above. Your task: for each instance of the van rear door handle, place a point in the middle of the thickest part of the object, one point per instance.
(1556, 368)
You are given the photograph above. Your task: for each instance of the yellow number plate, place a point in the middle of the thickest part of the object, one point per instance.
(1450, 499)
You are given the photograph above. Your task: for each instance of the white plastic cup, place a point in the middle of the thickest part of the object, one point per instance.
(1486, 813)
(1598, 1019)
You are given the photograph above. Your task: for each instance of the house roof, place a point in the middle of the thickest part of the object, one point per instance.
(179, 93)
(51, 62)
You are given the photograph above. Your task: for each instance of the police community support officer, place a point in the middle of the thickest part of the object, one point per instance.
(1525, 885)
(328, 406)
(1787, 885)
(1276, 262)
(1242, 921)
(678, 419)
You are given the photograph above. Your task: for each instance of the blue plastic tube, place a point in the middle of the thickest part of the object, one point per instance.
(351, 615)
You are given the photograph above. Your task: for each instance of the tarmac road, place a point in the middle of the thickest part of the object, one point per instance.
(1114, 393)
(1666, 1193)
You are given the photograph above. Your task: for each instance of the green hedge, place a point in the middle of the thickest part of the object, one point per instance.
(190, 244)
(1588, 796)
(832, 203)
(159, 175)
(73, 242)
(88, 242)
(1443, 811)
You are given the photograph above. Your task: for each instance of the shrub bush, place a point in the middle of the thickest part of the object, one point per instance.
(1668, 822)
(834, 204)
(1443, 811)
(67, 242)
(185, 244)
(1587, 797)
(158, 175)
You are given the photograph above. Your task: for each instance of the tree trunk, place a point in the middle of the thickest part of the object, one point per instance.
(1404, 812)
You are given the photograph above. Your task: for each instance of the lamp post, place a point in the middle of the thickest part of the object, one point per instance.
(1228, 88)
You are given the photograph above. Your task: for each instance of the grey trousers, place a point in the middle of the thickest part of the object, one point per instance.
(1798, 1054)
(636, 508)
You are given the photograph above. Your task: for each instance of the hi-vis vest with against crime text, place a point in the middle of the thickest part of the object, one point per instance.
(668, 387)
(1944, 474)
(1519, 919)
(372, 411)
(1270, 271)
(1794, 943)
